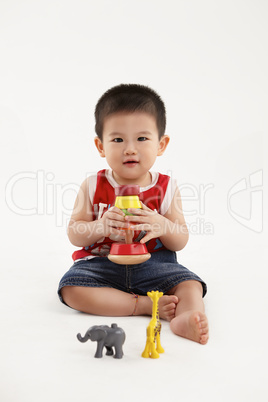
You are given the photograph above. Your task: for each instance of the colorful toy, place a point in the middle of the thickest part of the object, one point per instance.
(106, 336)
(153, 346)
(129, 252)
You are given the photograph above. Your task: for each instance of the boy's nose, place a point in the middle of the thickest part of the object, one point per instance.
(130, 150)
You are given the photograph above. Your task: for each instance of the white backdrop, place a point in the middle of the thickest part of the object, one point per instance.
(208, 60)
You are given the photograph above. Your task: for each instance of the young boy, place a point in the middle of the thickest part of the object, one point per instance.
(130, 127)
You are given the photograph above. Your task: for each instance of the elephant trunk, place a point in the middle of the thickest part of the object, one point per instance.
(81, 338)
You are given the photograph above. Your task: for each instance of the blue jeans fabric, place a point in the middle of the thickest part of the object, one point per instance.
(161, 272)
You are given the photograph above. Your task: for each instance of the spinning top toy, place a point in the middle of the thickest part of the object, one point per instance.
(130, 252)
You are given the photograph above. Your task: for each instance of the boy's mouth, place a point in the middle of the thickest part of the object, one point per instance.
(131, 162)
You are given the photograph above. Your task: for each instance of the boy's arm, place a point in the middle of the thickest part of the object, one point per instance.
(176, 235)
(170, 228)
(83, 230)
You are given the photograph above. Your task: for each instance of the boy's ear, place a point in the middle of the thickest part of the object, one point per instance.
(99, 146)
(163, 143)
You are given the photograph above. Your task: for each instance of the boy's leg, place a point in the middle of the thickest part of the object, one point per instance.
(99, 301)
(190, 320)
(113, 302)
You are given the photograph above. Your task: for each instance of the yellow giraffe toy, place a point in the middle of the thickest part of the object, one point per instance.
(153, 346)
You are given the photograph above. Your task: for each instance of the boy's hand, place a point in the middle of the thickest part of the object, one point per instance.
(148, 220)
(113, 222)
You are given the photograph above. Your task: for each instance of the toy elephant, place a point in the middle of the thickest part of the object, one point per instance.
(106, 336)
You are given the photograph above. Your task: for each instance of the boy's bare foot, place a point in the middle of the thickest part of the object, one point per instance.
(167, 307)
(191, 325)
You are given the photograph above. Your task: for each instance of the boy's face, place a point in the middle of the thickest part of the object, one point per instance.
(130, 145)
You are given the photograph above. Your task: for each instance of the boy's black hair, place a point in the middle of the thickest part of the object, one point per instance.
(130, 98)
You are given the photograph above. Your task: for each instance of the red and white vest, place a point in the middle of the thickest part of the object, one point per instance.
(157, 196)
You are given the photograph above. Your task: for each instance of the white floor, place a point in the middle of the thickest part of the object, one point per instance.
(41, 359)
(208, 61)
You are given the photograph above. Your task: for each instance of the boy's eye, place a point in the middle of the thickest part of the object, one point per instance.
(117, 140)
(142, 139)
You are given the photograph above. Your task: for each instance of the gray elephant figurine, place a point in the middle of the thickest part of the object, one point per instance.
(106, 336)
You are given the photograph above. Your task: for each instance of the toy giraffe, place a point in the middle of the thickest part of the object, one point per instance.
(153, 346)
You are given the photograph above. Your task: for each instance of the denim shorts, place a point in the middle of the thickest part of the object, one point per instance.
(161, 272)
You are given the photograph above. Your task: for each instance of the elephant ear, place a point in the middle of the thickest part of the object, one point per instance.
(98, 334)
(103, 332)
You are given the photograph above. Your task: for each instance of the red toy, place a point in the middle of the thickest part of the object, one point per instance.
(129, 252)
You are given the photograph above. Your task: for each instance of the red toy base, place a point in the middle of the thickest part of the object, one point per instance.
(128, 254)
(128, 249)
(129, 259)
